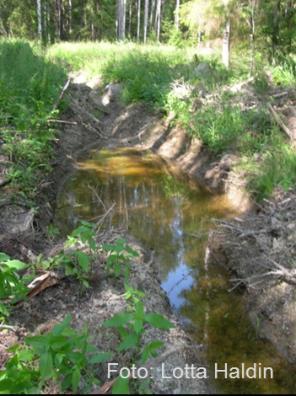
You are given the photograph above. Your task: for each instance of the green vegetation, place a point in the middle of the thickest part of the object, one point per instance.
(64, 356)
(29, 86)
(172, 80)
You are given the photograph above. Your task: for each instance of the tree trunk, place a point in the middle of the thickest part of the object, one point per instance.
(177, 14)
(69, 18)
(226, 45)
(146, 12)
(152, 12)
(39, 19)
(130, 14)
(139, 20)
(252, 36)
(158, 19)
(121, 19)
(59, 19)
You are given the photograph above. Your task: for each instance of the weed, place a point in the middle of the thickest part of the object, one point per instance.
(63, 356)
(119, 255)
(12, 287)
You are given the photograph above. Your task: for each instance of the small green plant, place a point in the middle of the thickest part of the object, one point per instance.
(64, 356)
(76, 262)
(21, 374)
(83, 234)
(12, 286)
(131, 326)
(119, 255)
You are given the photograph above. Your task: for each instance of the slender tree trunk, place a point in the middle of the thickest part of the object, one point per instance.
(177, 14)
(158, 19)
(252, 35)
(69, 18)
(152, 12)
(44, 13)
(139, 20)
(59, 19)
(130, 15)
(146, 13)
(39, 19)
(121, 19)
(226, 45)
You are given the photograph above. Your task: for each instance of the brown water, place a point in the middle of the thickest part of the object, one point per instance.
(173, 217)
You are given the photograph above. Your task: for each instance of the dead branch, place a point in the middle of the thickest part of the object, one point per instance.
(7, 327)
(42, 282)
(66, 86)
(279, 121)
(62, 122)
(104, 216)
(277, 272)
(93, 190)
(87, 115)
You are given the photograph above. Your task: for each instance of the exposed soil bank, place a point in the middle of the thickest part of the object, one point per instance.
(260, 250)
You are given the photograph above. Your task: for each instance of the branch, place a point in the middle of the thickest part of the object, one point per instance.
(280, 123)
(66, 86)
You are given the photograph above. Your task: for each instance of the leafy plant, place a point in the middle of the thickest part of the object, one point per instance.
(119, 255)
(83, 234)
(63, 355)
(12, 286)
(21, 375)
(131, 326)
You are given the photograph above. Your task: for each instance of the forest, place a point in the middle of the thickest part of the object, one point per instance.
(147, 196)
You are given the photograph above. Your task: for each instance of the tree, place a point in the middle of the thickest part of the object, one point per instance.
(139, 19)
(39, 18)
(121, 19)
(146, 12)
(158, 19)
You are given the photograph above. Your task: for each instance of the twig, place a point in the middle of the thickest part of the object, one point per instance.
(7, 327)
(103, 217)
(66, 86)
(62, 122)
(93, 190)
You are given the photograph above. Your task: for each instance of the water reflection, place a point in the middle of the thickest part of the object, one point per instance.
(173, 219)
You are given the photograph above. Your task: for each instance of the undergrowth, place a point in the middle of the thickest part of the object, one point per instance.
(64, 358)
(29, 87)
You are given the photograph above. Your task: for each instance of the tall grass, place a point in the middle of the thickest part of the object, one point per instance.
(29, 85)
(150, 73)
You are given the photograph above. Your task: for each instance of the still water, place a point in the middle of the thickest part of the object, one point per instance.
(173, 216)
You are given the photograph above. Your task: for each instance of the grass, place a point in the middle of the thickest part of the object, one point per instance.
(150, 74)
(29, 85)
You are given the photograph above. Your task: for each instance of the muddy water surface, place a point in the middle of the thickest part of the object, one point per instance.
(173, 217)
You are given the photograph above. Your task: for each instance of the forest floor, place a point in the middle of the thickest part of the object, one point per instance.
(258, 245)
